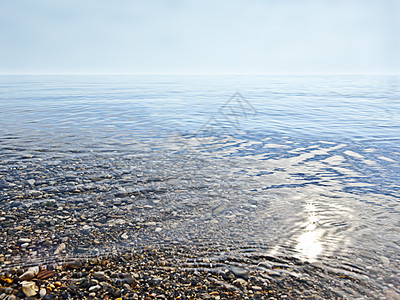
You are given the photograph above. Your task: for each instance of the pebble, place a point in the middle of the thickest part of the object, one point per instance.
(29, 274)
(150, 224)
(95, 288)
(24, 240)
(42, 292)
(15, 204)
(74, 265)
(239, 272)
(60, 249)
(29, 288)
(240, 282)
(124, 236)
(105, 284)
(44, 274)
(101, 276)
(385, 260)
(7, 290)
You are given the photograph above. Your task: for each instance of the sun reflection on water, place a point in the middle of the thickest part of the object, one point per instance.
(309, 244)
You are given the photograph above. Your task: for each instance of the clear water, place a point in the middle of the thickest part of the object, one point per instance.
(299, 169)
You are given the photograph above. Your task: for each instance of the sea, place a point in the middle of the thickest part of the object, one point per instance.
(257, 172)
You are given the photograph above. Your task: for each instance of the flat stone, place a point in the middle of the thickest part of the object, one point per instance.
(29, 274)
(95, 288)
(101, 276)
(24, 240)
(150, 223)
(44, 274)
(240, 273)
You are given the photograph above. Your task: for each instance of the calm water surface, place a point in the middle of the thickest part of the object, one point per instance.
(300, 170)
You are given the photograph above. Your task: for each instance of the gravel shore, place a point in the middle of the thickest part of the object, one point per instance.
(148, 274)
(123, 250)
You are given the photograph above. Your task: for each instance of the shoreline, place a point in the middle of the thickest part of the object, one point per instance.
(147, 275)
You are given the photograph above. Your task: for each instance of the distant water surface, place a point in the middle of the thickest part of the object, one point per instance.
(300, 167)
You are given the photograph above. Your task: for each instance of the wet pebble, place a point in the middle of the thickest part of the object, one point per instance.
(95, 288)
(29, 288)
(24, 240)
(29, 274)
(101, 276)
(239, 272)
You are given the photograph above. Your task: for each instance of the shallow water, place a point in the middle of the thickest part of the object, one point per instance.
(290, 175)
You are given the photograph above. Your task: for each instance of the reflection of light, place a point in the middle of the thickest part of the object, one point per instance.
(309, 244)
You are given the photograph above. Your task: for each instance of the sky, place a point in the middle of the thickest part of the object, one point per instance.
(199, 37)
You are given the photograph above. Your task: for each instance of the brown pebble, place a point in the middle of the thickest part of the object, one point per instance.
(214, 293)
(44, 274)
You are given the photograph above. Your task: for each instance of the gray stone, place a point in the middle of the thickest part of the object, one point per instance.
(150, 224)
(101, 276)
(239, 273)
(15, 204)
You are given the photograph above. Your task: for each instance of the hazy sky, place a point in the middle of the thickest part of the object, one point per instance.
(203, 36)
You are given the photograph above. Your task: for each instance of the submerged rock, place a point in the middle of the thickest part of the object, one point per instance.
(95, 288)
(24, 240)
(28, 275)
(44, 274)
(60, 249)
(240, 282)
(239, 273)
(29, 288)
(42, 292)
(101, 276)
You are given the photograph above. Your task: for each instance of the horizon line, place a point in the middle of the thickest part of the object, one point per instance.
(203, 74)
